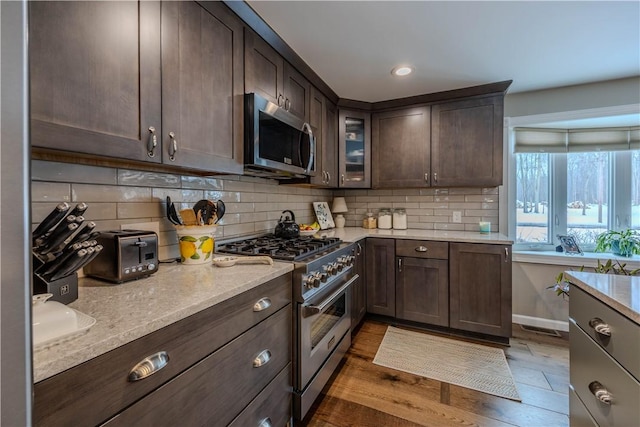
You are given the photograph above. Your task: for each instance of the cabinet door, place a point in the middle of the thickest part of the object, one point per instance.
(95, 77)
(422, 290)
(202, 68)
(381, 277)
(297, 93)
(264, 69)
(316, 120)
(355, 149)
(359, 290)
(480, 288)
(466, 142)
(330, 143)
(401, 148)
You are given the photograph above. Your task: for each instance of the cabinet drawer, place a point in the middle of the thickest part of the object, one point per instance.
(590, 363)
(624, 342)
(99, 388)
(217, 389)
(578, 414)
(272, 404)
(422, 249)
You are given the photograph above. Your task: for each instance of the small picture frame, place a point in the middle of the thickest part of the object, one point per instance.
(569, 245)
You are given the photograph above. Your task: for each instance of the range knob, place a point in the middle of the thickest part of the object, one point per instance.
(311, 281)
(329, 269)
(323, 277)
(338, 265)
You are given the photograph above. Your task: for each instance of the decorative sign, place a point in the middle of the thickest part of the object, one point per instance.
(325, 219)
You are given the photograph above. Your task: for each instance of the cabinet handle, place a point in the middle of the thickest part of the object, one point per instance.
(342, 179)
(262, 358)
(173, 147)
(426, 178)
(435, 177)
(421, 249)
(506, 254)
(265, 422)
(280, 98)
(287, 104)
(359, 252)
(399, 265)
(149, 366)
(600, 327)
(152, 143)
(601, 393)
(328, 177)
(262, 304)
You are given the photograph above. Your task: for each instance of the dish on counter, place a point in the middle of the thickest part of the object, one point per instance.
(54, 323)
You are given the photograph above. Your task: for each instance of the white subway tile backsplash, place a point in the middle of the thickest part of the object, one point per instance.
(147, 179)
(68, 172)
(198, 182)
(50, 192)
(109, 193)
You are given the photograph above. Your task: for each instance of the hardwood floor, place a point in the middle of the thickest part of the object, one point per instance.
(363, 394)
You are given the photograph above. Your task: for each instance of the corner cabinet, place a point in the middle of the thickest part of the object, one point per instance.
(157, 82)
(267, 73)
(229, 363)
(401, 148)
(380, 275)
(467, 142)
(480, 288)
(354, 147)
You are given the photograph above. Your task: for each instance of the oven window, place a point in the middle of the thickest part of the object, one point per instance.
(326, 320)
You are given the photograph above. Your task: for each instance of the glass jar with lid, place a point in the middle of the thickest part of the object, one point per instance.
(369, 221)
(399, 219)
(384, 218)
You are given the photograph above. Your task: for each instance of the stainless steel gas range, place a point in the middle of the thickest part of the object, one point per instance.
(322, 278)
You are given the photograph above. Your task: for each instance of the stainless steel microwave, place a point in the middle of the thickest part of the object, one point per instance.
(277, 143)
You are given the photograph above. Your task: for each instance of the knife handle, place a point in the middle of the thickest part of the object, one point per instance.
(58, 238)
(52, 265)
(68, 264)
(85, 233)
(79, 209)
(51, 220)
(87, 261)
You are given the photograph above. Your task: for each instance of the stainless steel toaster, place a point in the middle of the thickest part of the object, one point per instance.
(127, 255)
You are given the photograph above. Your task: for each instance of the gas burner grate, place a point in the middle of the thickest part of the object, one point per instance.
(296, 249)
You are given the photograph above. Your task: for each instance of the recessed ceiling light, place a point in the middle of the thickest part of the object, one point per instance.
(402, 70)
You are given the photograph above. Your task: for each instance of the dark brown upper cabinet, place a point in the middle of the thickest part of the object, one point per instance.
(202, 90)
(401, 148)
(323, 121)
(95, 78)
(466, 142)
(354, 147)
(148, 81)
(269, 75)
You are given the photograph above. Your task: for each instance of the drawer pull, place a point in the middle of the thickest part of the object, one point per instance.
(600, 327)
(601, 393)
(265, 422)
(262, 358)
(262, 304)
(422, 249)
(149, 366)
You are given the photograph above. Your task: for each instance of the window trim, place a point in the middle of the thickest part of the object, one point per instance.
(507, 223)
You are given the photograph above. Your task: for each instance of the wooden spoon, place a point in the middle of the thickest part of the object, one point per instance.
(228, 261)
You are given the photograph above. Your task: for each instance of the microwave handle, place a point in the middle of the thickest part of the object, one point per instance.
(312, 146)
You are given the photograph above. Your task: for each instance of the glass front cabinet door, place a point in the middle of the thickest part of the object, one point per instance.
(355, 149)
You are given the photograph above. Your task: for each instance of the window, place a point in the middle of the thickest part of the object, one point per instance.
(575, 182)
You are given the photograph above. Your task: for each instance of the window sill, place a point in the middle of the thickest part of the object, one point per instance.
(589, 259)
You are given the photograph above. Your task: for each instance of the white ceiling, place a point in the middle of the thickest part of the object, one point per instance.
(353, 45)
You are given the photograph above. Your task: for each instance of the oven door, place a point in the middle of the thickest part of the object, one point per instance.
(322, 323)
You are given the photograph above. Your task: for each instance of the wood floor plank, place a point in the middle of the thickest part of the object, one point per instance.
(363, 394)
(559, 383)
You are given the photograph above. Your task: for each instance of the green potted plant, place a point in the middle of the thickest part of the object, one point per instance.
(624, 243)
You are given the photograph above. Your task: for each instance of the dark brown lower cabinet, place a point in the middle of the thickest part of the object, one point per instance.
(359, 289)
(381, 276)
(422, 290)
(210, 378)
(480, 288)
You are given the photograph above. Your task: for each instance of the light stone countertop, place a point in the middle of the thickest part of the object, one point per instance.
(621, 293)
(353, 234)
(133, 309)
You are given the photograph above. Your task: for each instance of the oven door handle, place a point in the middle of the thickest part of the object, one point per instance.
(310, 310)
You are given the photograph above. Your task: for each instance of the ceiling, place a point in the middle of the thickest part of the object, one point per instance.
(353, 45)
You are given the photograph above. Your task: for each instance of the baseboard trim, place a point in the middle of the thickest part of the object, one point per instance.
(540, 322)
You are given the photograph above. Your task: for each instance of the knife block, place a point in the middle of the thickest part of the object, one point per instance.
(64, 290)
